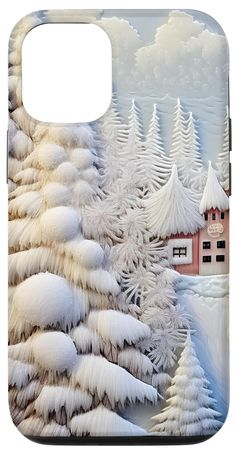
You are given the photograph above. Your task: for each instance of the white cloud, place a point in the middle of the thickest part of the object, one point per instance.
(185, 58)
(125, 42)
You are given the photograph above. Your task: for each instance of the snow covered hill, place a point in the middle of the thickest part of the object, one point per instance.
(206, 300)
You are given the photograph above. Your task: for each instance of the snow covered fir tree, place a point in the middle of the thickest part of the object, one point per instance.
(190, 406)
(118, 249)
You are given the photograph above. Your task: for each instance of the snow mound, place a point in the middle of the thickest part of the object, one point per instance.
(137, 363)
(117, 327)
(50, 156)
(27, 176)
(86, 340)
(90, 254)
(215, 286)
(90, 175)
(68, 136)
(66, 173)
(97, 375)
(43, 299)
(54, 351)
(100, 421)
(21, 145)
(20, 373)
(54, 398)
(27, 204)
(56, 194)
(81, 158)
(59, 224)
(27, 394)
(83, 192)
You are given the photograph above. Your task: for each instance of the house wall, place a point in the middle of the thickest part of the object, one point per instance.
(193, 268)
(212, 233)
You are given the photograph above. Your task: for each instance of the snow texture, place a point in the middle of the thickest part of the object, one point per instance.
(21, 145)
(84, 193)
(54, 398)
(86, 340)
(60, 224)
(103, 422)
(49, 156)
(43, 299)
(55, 430)
(55, 194)
(98, 376)
(54, 351)
(117, 328)
(213, 196)
(27, 204)
(20, 373)
(90, 254)
(82, 158)
(135, 362)
(182, 203)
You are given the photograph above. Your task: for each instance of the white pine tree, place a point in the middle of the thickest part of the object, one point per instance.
(70, 330)
(114, 134)
(222, 162)
(179, 136)
(185, 150)
(135, 138)
(191, 169)
(154, 167)
(173, 209)
(190, 407)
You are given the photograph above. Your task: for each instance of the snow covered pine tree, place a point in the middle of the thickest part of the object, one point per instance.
(190, 406)
(69, 335)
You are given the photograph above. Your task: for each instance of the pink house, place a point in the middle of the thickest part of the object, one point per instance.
(197, 235)
(210, 244)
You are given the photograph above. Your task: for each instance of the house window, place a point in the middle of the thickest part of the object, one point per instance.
(222, 216)
(220, 258)
(221, 244)
(206, 245)
(180, 252)
(206, 216)
(213, 216)
(206, 258)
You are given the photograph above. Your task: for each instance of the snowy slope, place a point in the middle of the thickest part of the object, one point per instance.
(206, 300)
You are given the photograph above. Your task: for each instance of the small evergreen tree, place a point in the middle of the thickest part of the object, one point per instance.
(179, 136)
(191, 170)
(154, 167)
(190, 408)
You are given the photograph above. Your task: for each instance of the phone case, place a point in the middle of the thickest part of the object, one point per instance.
(119, 242)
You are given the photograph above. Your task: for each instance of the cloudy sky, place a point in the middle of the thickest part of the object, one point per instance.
(163, 55)
(159, 55)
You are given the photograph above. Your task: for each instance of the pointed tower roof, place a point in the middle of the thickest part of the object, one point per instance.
(173, 209)
(214, 197)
